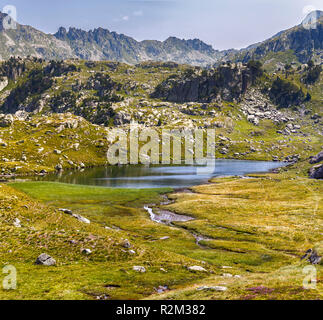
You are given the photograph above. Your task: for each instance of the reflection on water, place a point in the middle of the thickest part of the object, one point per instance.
(160, 176)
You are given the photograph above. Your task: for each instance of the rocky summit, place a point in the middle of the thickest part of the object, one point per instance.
(100, 44)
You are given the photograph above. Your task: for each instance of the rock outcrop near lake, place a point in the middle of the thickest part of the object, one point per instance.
(227, 82)
(316, 172)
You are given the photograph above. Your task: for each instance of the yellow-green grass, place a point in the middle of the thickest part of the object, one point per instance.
(259, 227)
(78, 276)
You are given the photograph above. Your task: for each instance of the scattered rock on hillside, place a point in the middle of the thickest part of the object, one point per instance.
(227, 275)
(6, 120)
(312, 257)
(162, 289)
(216, 288)
(59, 167)
(165, 238)
(86, 251)
(254, 120)
(45, 260)
(76, 216)
(80, 218)
(67, 211)
(126, 244)
(17, 223)
(197, 268)
(316, 159)
(139, 269)
(316, 172)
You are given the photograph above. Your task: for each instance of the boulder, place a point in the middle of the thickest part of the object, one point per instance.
(86, 251)
(59, 167)
(316, 159)
(67, 211)
(227, 275)
(316, 172)
(312, 257)
(45, 260)
(216, 288)
(197, 269)
(17, 223)
(162, 289)
(164, 238)
(6, 120)
(81, 219)
(126, 244)
(139, 269)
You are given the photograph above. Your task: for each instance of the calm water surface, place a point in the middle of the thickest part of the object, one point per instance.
(161, 176)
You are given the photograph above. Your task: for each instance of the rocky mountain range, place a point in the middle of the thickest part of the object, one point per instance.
(100, 44)
(299, 44)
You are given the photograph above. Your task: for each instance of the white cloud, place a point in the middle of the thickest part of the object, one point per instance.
(125, 18)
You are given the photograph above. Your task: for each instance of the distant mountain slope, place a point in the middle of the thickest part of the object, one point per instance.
(297, 43)
(26, 40)
(303, 41)
(101, 44)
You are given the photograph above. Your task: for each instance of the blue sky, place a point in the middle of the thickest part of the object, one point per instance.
(222, 23)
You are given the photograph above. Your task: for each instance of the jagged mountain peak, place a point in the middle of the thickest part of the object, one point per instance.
(297, 44)
(318, 14)
(102, 44)
(3, 15)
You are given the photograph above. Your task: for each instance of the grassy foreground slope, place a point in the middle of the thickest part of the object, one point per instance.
(256, 229)
(104, 274)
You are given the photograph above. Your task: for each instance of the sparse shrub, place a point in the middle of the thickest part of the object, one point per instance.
(255, 68)
(286, 93)
(313, 74)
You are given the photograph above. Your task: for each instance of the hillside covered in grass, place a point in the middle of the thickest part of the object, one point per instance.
(244, 237)
(60, 114)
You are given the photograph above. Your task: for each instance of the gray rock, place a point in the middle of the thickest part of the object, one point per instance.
(126, 244)
(164, 238)
(45, 260)
(162, 289)
(312, 257)
(139, 269)
(197, 269)
(6, 120)
(224, 151)
(81, 218)
(216, 288)
(86, 251)
(67, 211)
(59, 167)
(316, 172)
(316, 159)
(17, 223)
(227, 275)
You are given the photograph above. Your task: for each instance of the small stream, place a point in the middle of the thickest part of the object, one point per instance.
(180, 177)
(168, 217)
